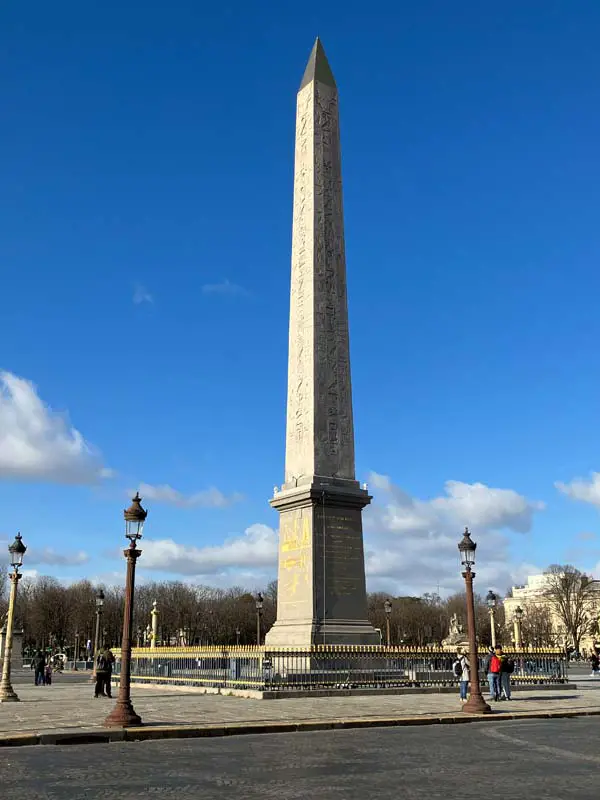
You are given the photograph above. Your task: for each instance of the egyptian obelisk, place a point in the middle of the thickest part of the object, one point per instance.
(321, 592)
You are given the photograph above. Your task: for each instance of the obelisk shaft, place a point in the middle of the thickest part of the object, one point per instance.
(320, 435)
(321, 591)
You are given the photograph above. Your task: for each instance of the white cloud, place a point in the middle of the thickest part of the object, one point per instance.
(411, 544)
(257, 548)
(37, 443)
(141, 295)
(224, 287)
(587, 491)
(49, 556)
(208, 498)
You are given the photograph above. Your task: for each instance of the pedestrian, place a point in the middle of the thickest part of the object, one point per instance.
(595, 662)
(507, 667)
(461, 671)
(48, 675)
(492, 669)
(39, 665)
(104, 666)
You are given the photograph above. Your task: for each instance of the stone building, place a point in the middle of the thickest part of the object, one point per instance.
(534, 595)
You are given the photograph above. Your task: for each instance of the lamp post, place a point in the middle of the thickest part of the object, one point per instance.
(492, 601)
(517, 625)
(475, 704)
(123, 715)
(76, 651)
(17, 550)
(154, 631)
(259, 611)
(387, 607)
(99, 605)
(237, 636)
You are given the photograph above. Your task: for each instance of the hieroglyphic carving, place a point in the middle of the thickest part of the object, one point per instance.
(334, 432)
(300, 425)
(320, 435)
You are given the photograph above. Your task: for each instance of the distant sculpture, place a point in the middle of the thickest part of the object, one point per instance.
(456, 635)
(456, 627)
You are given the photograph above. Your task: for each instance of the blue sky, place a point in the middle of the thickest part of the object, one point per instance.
(145, 228)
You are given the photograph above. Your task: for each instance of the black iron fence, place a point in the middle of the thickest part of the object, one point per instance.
(324, 667)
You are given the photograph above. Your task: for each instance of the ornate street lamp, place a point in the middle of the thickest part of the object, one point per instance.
(475, 704)
(259, 611)
(17, 550)
(519, 613)
(123, 715)
(492, 601)
(99, 605)
(387, 607)
(76, 651)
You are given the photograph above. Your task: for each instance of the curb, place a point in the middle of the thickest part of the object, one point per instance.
(156, 732)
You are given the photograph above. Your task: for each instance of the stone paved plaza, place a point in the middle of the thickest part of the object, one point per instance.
(69, 704)
(536, 759)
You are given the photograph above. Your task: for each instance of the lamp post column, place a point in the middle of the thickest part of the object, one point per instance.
(17, 550)
(76, 652)
(154, 614)
(387, 607)
(123, 714)
(475, 704)
(7, 693)
(517, 627)
(493, 626)
(259, 608)
(99, 604)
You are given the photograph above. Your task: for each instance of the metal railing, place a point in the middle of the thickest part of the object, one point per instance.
(324, 667)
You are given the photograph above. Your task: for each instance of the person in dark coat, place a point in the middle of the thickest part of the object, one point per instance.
(39, 665)
(104, 667)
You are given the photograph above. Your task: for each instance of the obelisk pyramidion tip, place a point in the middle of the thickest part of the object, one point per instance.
(318, 68)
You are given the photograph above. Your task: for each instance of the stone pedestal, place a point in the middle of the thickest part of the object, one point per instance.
(17, 648)
(321, 593)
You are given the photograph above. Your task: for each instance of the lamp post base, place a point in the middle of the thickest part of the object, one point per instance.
(476, 705)
(8, 694)
(123, 716)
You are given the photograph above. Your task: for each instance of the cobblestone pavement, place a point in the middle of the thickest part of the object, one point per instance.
(533, 759)
(69, 704)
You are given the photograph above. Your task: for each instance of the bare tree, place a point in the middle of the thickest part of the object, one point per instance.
(536, 625)
(573, 596)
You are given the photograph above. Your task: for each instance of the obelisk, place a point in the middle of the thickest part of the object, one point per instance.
(321, 591)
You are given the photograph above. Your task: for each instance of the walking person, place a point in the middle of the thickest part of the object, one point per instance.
(595, 663)
(507, 667)
(39, 666)
(492, 669)
(104, 667)
(48, 675)
(461, 670)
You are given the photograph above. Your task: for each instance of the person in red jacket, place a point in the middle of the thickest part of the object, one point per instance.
(492, 668)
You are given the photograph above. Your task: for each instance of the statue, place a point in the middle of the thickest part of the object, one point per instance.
(456, 627)
(456, 635)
